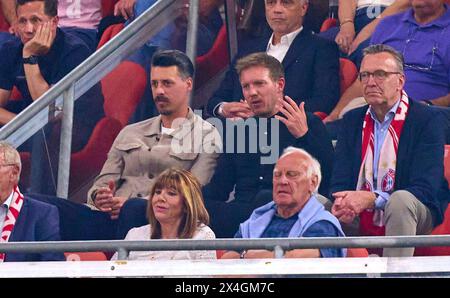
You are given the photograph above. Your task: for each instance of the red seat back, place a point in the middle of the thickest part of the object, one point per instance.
(85, 256)
(109, 33)
(357, 253)
(4, 26)
(327, 24)
(211, 63)
(122, 90)
(347, 73)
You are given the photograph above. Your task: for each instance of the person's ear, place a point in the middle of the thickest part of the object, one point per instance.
(190, 83)
(313, 183)
(15, 173)
(281, 83)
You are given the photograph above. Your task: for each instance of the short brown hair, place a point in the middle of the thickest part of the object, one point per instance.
(276, 70)
(50, 6)
(189, 189)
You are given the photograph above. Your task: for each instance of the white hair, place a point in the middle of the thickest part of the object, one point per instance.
(10, 156)
(313, 165)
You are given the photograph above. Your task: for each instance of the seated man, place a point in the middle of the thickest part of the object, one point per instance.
(81, 18)
(389, 157)
(176, 138)
(22, 218)
(42, 56)
(422, 35)
(294, 212)
(311, 63)
(278, 123)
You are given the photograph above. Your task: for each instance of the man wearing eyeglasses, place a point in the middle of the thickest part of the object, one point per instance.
(21, 217)
(422, 35)
(389, 157)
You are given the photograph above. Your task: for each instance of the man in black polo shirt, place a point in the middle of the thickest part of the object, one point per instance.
(43, 56)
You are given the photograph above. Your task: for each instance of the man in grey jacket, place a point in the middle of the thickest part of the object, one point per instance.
(143, 150)
(176, 138)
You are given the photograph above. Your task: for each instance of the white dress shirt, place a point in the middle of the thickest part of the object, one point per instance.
(4, 210)
(279, 51)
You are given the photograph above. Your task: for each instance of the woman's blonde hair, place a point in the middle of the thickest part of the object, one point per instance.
(189, 189)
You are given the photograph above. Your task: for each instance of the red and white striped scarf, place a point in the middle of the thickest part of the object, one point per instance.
(387, 160)
(11, 217)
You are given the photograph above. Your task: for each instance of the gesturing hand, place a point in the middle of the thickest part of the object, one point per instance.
(295, 117)
(104, 197)
(41, 42)
(125, 8)
(239, 109)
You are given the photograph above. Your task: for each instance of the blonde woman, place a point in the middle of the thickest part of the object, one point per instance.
(175, 211)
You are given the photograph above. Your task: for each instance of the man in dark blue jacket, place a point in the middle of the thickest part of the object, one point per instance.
(311, 63)
(252, 147)
(22, 218)
(388, 167)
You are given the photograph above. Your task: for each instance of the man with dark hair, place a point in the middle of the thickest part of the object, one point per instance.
(42, 57)
(279, 122)
(311, 63)
(143, 150)
(389, 163)
(176, 138)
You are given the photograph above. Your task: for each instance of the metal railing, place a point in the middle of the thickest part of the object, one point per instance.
(123, 247)
(89, 73)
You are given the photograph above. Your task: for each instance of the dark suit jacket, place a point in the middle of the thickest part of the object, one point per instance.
(420, 157)
(311, 68)
(37, 221)
(245, 172)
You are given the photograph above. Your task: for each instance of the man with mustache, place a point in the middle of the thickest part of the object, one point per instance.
(279, 122)
(294, 212)
(143, 150)
(176, 138)
(389, 160)
(311, 63)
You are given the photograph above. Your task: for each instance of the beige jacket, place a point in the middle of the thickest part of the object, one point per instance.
(140, 153)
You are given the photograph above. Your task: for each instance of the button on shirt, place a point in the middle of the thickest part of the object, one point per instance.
(380, 132)
(279, 51)
(4, 210)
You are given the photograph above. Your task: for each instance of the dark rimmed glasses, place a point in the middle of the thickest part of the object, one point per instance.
(379, 75)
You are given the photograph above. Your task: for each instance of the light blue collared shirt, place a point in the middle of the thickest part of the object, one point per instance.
(4, 210)
(380, 132)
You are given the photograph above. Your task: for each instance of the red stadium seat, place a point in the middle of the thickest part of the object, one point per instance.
(123, 89)
(85, 256)
(357, 253)
(444, 228)
(347, 75)
(109, 33)
(4, 26)
(211, 63)
(327, 24)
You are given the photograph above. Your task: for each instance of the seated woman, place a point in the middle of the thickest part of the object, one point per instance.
(176, 211)
(358, 19)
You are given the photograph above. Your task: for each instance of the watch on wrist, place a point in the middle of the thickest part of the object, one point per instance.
(30, 60)
(242, 254)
